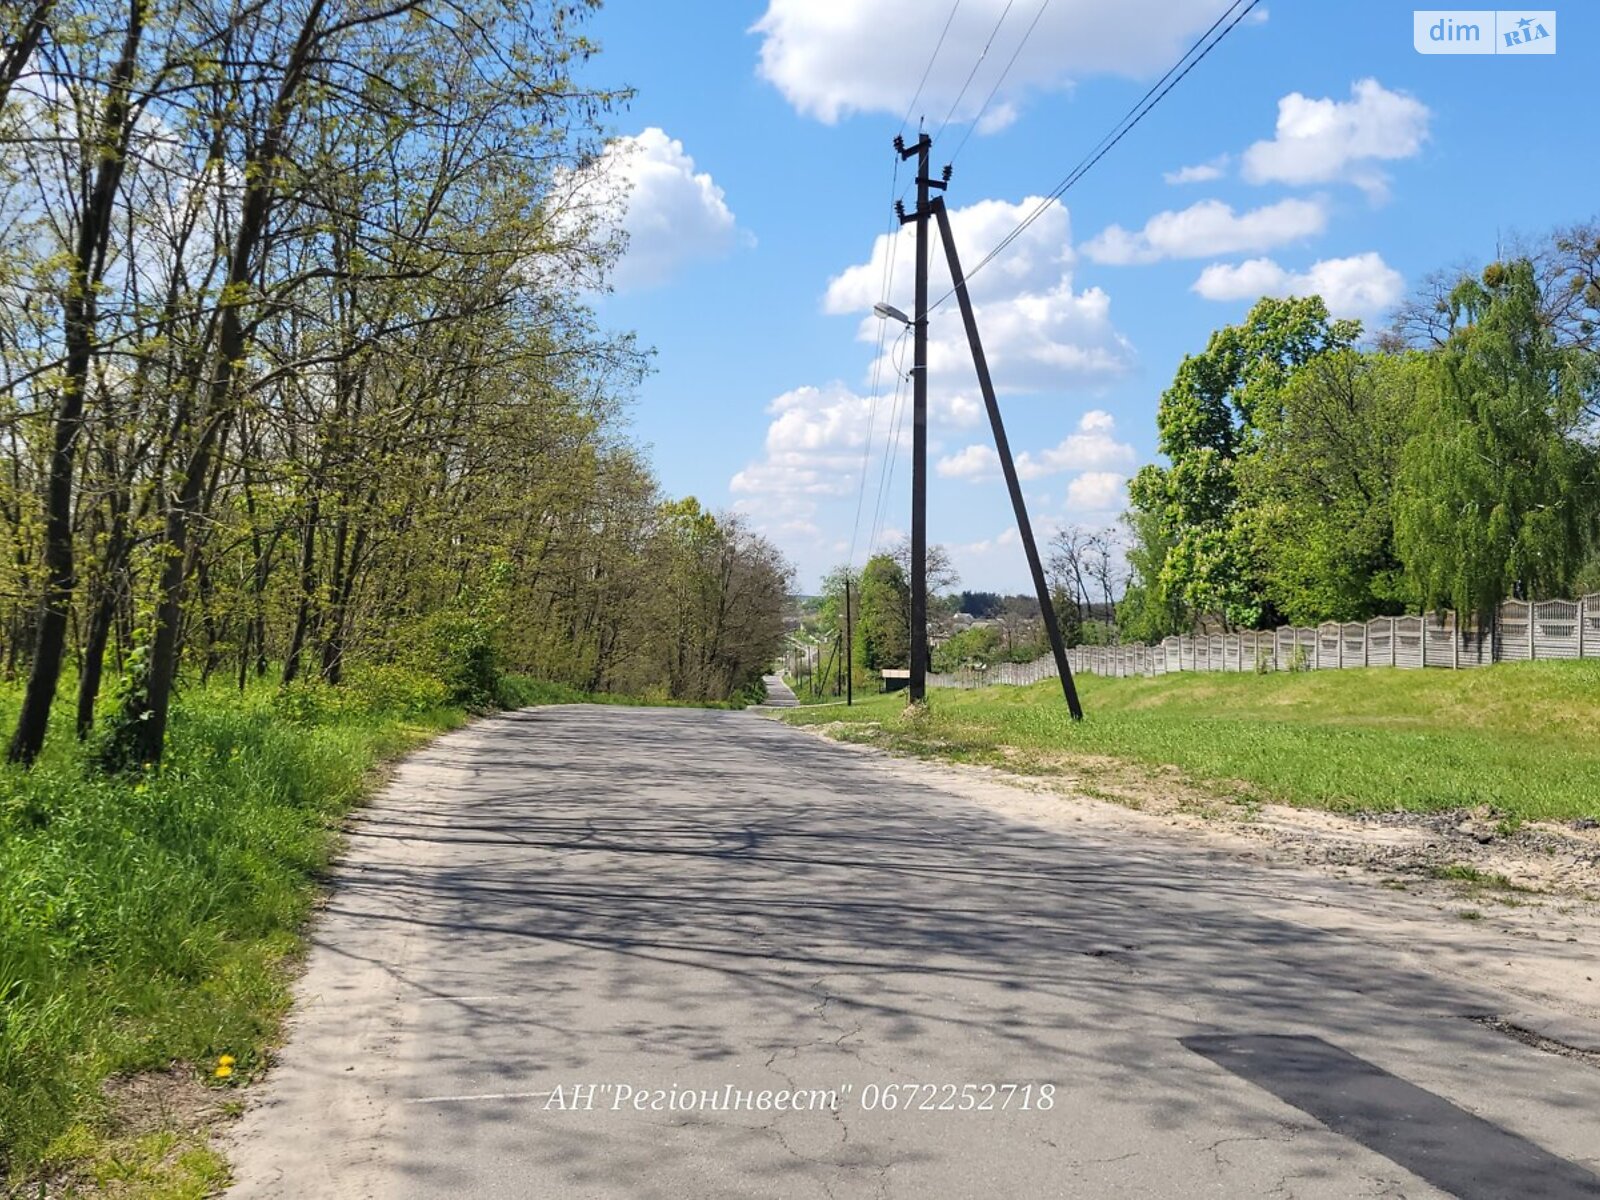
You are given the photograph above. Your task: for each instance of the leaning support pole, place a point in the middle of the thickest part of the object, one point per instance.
(1003, 447)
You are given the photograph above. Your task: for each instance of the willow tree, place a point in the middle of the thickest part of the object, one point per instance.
(1497, 494)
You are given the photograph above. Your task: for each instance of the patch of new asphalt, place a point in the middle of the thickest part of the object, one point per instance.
(668, 903)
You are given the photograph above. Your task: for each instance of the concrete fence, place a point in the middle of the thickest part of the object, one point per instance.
(1523, 631)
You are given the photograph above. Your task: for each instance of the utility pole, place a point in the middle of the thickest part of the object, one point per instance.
(1003, 447)
(849, 645)
(838, 679)
(919, 420)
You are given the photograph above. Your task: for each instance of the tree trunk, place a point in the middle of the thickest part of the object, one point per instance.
(262, 173)
(88, 267)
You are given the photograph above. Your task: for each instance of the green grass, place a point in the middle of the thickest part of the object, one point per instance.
(802, 691)
(1522, 738)
(151, 919)
(148, 919)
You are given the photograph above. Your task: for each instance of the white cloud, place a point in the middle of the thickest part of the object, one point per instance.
(831, 58)
(1321, 141)
(1096, 493)
(1204, 172)
(816, 444)
(813, 445)
(1092, 447)
(1361, 285)
(674, 214)
(975, 462)
(1038, 332)
(1207, 228)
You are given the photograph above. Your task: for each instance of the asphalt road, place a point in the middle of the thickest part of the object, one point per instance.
(650, 900)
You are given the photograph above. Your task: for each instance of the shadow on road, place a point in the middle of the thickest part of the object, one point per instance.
(706, 897)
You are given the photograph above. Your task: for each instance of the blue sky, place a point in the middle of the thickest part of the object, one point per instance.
(1334, 158)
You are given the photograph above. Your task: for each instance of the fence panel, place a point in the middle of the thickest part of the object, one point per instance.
(1380, 642)
(1515, 630)
(1477, 647)
(1439, 641)
(1353, 645)
(1554, 629)
(1589, 626)
(1305, 643)
(1408, 642)
(1327, 646)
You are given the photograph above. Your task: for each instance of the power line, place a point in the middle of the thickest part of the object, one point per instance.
(1130, 120)
(926, 71)
(891, 450)
(893, 236)
(887, 286)
(989, 99)
(889, 433)
(982, 54)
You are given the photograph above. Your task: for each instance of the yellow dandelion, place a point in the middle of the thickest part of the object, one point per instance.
(223, 1072)
(227, 1060)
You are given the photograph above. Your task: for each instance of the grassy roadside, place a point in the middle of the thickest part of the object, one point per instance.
(148, 923)
(148, 920)
(1523, 738)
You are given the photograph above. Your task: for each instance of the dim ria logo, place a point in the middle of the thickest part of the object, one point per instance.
(1484, 31)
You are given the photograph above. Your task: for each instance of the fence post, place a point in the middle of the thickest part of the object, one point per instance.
(1392, 653)
(1583, 619)
(1455, 641)
(1533, 625)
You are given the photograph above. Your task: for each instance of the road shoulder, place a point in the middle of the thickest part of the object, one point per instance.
(1519, 919)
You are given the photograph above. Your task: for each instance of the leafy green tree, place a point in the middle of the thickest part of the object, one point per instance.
(1497, 494)
(884, 638)
(979, 604)
(980, 644)
(1148, 611)
(1318, 493)
(1208, 421)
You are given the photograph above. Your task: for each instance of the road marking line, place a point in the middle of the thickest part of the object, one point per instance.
(481, 1096)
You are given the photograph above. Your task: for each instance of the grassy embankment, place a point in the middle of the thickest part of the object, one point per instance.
(151, 920)
(1523, 738)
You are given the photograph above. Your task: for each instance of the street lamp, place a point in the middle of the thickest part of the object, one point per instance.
(889, 312)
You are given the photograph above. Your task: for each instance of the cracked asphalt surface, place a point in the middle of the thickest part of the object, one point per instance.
(660, 899)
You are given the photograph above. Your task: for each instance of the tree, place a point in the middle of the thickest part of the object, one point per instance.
(979, 604)
(106, 130)
(884, 637)
(939, 575)
(297, 366)
(1066, 562)
(1149, 611)
(1497, 495)
(1318, 493)
(1208, 421)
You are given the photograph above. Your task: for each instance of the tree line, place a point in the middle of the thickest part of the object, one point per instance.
(298, 372)
(1452, 462)
(1315, 474)
(1083, 567)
